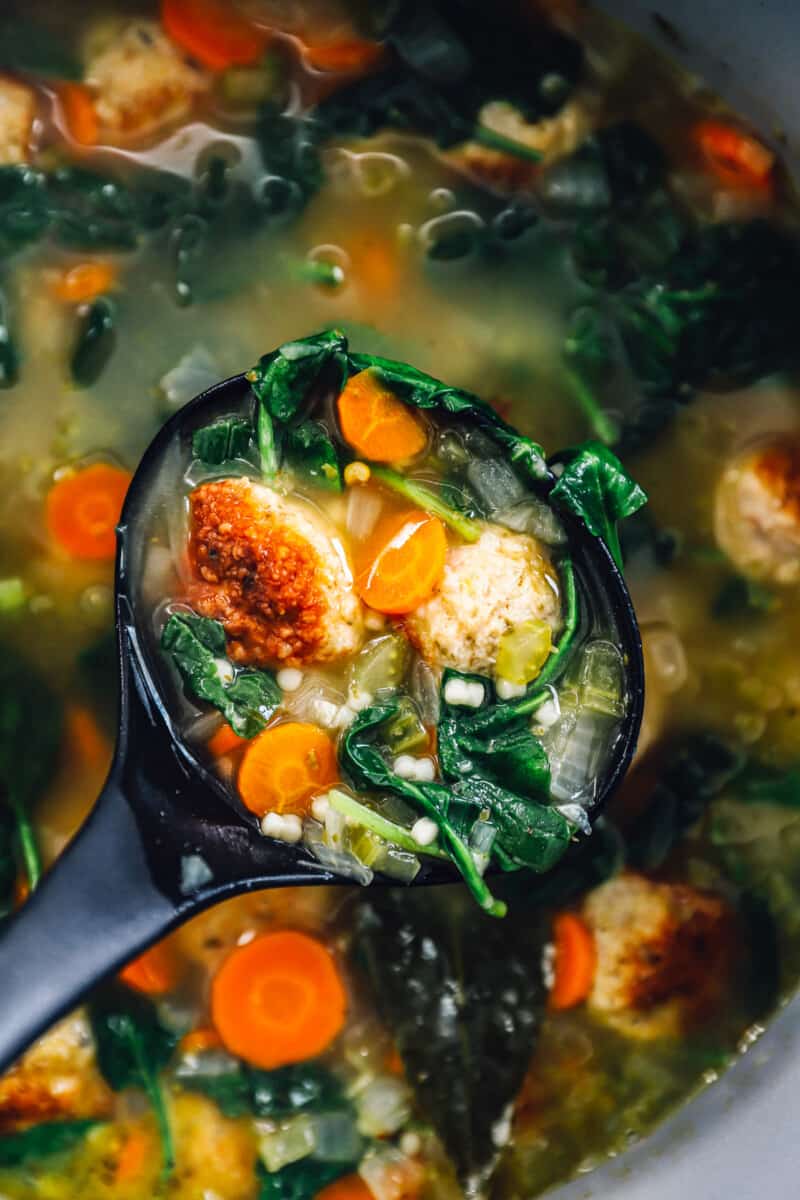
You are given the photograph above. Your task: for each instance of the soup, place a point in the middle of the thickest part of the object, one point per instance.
(593, 243)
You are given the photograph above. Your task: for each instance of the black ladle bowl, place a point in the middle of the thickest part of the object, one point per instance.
(166, 838)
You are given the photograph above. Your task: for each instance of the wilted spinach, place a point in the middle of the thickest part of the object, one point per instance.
(595, 486)
(222, 441)
(242, 1089)
(94, 342)
(133, 1047)
(31, 721)
(463, 997)
(195, 645)
(40, 1141)
(302, 1180)
(310, 453)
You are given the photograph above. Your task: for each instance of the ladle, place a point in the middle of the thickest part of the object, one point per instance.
(165, 838)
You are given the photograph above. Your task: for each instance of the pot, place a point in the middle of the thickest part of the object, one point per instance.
(736, 1140)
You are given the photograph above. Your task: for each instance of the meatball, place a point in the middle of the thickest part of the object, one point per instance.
(664, 955)
(17, 110)
(273, 571)
(757, 512)
(142, 82)
(488, 587)
(56, 1079)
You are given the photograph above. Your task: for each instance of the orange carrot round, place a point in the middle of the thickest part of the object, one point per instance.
(278, 1000)
(155, 972)
(213, 32)
(80, 115)
(738, 159)
(224, 741)
(351, 56)
(376, 424)
(349, 1187)
(83, 509)
(575, 961)
(285, 766)
(402, 562)
(134, 1156)
(84, 282)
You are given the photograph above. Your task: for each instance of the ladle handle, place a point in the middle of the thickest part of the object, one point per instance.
(93, 911)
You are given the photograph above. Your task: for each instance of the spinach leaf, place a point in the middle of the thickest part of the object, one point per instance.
(450, 60)
(463, 997)
(9, 357)
(311, 453)
(762, 784)
(31, 722)
(40, 1141)
(94, 343)
(23, 207)
(195, 644)
(507, 754)
(90, 211)
(695, 769)
(132, 1048)
(243, 1089)
(740, 597)
(425, 392)
(222, 441)
(302, 1180)
(361, 759)
(282, 380)
(595, 486)
(290, 154)
(30, 47)
(529, 834)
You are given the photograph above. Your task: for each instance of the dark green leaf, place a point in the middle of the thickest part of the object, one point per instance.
(311, 453)
(289, 150)
(24, 214)
(89, 211)
(40, 1141)
(283, 379)
(30, 47)
(132, 1048)
(463, 997)
(695, 769)
(222, 441)
(9, 358)
(194, 644)
(241, 1089)
(530, 834)
(760, 784)
(94, 342)
(740, 597)
(595, 486)
(301, 1180)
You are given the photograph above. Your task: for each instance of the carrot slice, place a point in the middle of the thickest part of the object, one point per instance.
(155, 972)
(575, 962)
(83, 509)
(352, 56)
(737, 158)
(278, 1000)
(213, 32)
(349, 1187)
(134, 1155)
(85, 738)
(224, 741)
(80, 115)
(197, 1040)
(285, 766)
(375, 423)
(84, 282)
(402, 562)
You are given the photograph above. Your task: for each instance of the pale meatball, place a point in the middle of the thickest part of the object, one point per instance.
(275, 573)
(664, 955)
(17, 110)
(216, 1156)
(757, 512)
(142, 82)
(55, 1080)
(489, 586)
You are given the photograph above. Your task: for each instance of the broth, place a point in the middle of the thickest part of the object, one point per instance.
(484, 270)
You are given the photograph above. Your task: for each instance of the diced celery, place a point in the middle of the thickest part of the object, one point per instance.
(381, 664)
(383, 1106)
(365, 845)
(336, 1137)
(405, 732)
(601, 678)
(12, 594)
(286, 1142)
(523, 651)
(397, 864)
(250, 86)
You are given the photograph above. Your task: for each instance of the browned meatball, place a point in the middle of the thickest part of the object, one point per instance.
(272, 571)
(757, 511)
